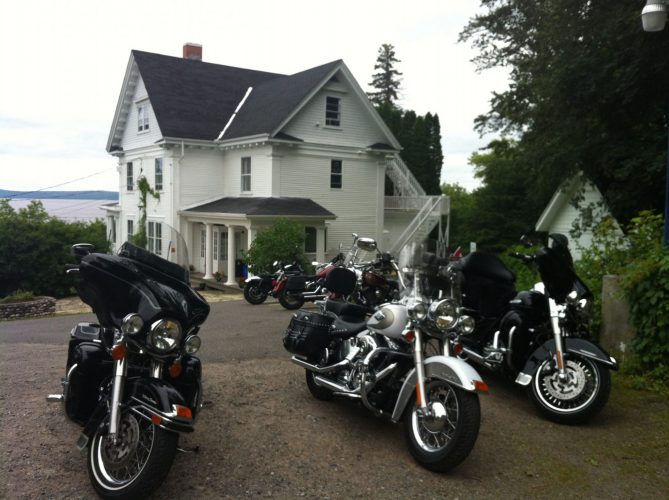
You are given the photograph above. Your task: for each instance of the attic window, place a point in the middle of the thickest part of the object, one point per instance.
(332, 111)
(142, 117)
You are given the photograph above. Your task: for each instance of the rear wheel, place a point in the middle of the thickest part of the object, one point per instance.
(253, 293)
(443, 440)
(316, 390)
(580, 395)
(289, 300)
(136, 464)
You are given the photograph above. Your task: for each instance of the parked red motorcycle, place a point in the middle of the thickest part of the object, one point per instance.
(258, 288)
(300, 289)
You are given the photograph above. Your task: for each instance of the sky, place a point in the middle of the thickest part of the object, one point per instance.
(63, 65)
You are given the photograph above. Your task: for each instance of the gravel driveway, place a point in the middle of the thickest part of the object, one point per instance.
(264, 435)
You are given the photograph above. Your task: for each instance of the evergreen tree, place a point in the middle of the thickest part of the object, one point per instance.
(386, 80)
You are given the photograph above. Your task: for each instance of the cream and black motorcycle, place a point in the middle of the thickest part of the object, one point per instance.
(132, 380)
(382, 363)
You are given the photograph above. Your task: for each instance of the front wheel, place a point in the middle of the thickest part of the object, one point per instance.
(136, 464)
(290, 300)
(254, 294)
(575, 398)
(444, 438)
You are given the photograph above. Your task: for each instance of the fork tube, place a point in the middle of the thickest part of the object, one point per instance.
(120, 370)
(420, 369)
(557, 334)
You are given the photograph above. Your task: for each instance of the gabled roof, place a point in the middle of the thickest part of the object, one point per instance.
(197, 100)
(264, 207)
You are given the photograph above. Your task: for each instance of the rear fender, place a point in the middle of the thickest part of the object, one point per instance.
(155, 399)
(581, 347)
(452, 370)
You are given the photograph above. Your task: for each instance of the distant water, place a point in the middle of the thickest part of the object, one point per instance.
(69, 210)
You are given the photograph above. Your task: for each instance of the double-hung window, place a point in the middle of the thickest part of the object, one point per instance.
(224, 246)
(155, 237)
(142, 117)
(246, 174)
(129, 178)
(159, 174)
(131, 228)
(335, 174)
(332, 111)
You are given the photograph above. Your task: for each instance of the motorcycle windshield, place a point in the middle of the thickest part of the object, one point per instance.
(557, 273)
(148, 276)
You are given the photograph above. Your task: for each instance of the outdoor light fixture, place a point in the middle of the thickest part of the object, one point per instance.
(654, 15)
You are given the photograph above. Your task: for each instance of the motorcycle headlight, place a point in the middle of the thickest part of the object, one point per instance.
(132, 324)
(417, 311)
(444, 313)
(165, 335)
(192, 344)
(467, 325)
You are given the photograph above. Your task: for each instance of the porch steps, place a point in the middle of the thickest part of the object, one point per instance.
(198, 282)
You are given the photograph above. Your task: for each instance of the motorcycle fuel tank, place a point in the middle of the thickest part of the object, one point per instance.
(389, 320)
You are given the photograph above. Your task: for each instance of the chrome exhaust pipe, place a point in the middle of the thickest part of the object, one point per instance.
(55, 398)
(338, 389)
(320, 369)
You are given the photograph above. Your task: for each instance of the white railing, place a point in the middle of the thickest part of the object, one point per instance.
(426, 219)
(404, 183)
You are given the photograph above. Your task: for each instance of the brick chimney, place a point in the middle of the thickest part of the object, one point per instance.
(193, 51)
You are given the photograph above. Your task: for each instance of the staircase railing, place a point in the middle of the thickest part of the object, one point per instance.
(404, 183)
(426, 219)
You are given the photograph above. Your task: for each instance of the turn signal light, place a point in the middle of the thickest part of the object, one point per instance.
(457, 349)
(480, 386)
(409, 336)
(175, 369)
(156, 420)
(118, 352)
(184, 412)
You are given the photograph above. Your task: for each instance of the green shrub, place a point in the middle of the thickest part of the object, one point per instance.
(642, 262)
(35, 247)
(17, 296)
(283, 241)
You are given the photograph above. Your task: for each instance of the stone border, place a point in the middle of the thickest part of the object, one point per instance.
(40, 306)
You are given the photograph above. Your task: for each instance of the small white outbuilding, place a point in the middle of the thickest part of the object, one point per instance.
(575, 210)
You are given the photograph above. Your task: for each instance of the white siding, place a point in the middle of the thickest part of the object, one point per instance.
(358, 129)
(355, 204)
(567, 214)
(394, 224)
(132, 138)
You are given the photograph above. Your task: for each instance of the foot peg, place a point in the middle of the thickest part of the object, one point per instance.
(55, 398)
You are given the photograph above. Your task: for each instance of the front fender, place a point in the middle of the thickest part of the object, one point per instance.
(581, 347)
(155, 400)
(452, 370)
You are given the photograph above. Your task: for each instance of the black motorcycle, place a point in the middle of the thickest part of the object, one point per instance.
(540, 336)
(132, 380)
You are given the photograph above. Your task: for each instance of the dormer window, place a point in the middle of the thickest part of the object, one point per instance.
(142, 117)
(332, 111)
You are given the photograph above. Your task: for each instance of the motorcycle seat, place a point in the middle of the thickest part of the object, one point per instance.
(351, 313)
(346, 329)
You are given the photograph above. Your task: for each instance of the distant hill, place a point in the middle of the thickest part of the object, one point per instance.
(60, 195)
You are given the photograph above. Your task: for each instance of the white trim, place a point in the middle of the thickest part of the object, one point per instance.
(239, 106)
(129, 72)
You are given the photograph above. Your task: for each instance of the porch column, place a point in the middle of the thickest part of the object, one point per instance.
(208, 264)
(250, 236)
(231, 256)
(320, 244)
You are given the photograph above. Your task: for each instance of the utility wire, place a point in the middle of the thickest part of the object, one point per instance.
(62, 184)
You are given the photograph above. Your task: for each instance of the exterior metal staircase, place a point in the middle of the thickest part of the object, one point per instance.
(410, 196)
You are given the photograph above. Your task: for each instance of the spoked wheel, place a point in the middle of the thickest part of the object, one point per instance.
(254, 294)
(136, 463)
(582, 393)
(290, 300)
(442, 440)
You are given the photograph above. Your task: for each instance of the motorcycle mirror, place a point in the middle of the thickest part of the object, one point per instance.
(525, 241)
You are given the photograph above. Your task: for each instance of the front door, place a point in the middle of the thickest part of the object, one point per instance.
(203, 244)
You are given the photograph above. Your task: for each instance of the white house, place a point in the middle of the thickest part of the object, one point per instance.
(230, 150)
(575, 210)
